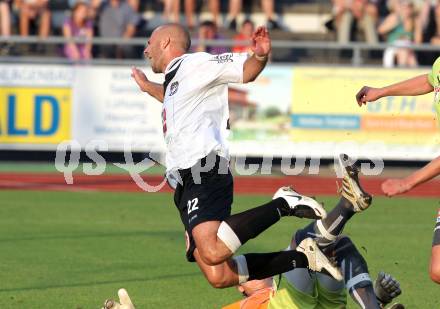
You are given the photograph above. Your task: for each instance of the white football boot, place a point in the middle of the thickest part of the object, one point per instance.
(317, 260)
(351, 187)
(300, 205)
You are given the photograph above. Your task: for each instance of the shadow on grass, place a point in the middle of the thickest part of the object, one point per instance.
(85, 284)
(166, 234)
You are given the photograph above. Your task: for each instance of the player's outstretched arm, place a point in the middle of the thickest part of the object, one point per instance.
(261, 47)
(153, 89)
(411, 87)
(392, 187)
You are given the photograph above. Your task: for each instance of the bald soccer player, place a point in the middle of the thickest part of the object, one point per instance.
(418, 85)
(195, 126)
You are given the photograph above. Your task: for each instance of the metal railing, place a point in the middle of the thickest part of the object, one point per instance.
(356, 48)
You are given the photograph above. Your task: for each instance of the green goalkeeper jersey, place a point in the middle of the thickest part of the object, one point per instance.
(434, 80)
(289, 297)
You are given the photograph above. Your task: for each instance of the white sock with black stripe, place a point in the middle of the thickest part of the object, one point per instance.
(334, 223)
(326, 231)
(242, 269)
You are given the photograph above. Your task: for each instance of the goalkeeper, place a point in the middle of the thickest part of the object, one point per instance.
(302, 289)
(298, 289)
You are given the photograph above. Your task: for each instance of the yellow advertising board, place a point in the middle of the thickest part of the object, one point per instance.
(36, 115)
(324, 108)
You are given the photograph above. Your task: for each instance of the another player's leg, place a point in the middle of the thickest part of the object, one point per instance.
(205, 210)
(351, 188)
(218, 240)
(434, 268)
(254, 266)
(353, 199)
(221, 275)
(355, 271)
(239, 228)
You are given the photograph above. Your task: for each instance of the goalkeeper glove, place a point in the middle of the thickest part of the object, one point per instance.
(386, 288)
(125, 301)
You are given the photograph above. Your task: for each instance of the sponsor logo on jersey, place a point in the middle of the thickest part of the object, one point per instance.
(224, 58)
(173, 88)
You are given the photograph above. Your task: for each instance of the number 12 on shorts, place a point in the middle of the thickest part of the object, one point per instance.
(192, 205)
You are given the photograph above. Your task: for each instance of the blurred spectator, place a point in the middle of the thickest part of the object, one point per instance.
(171, 10)
(117, 19)
(428, 30)
(93, 6)
(5, 18)
(267, 6)
(208, 31)
(78, 25)
(428, 23)
(398, 27)
(245, 35)
(378, 9)
(352, 13)
(141, 25)
(190, 6)
(134, 4)
(30, 11)
(5, 25)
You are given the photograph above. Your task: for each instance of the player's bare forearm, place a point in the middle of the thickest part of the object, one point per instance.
(253, 67)
(393, 187)
(411, 87)
(431, 170)
(155, 90)
(261, 47)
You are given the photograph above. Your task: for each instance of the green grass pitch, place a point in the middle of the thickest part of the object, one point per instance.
(73, 250)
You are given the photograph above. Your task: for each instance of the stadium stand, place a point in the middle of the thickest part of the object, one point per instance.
(314, 31)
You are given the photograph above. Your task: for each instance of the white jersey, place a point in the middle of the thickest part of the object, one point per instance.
(195, 109)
